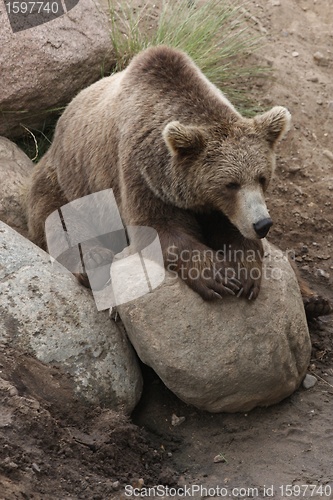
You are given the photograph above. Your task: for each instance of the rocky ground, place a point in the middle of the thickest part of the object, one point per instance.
(53, 448)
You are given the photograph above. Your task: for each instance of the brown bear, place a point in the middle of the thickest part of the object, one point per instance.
(180, 159)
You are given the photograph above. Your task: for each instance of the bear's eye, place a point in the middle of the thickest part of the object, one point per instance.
(233, 185)
(262, 180)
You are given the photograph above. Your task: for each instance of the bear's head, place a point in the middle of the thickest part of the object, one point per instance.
(227, 168)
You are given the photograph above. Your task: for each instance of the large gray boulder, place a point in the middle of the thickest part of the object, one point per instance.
(230, 355)
(44, 67)
(45, 312)
(15, 169)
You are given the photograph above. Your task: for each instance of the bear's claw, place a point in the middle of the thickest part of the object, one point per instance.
(235, 282)
(316, 306)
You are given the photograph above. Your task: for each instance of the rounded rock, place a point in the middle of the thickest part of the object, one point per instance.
(45, 312)
(230, 355)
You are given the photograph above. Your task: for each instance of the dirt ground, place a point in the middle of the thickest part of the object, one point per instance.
(51, 447)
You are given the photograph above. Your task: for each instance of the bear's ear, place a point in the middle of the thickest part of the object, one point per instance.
(183, 139)
(274, 124)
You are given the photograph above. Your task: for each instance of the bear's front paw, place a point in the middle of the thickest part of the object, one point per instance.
(213, 283)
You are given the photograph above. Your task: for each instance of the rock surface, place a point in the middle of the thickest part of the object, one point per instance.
(60, 58)
(15, 168)
(230, 355)
(45, 312)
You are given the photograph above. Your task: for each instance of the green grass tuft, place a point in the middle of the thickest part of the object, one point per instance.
(212, 32)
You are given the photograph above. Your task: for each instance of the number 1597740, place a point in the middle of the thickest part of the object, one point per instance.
(32, 7)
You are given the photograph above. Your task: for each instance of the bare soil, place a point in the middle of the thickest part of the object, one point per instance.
(53, 447)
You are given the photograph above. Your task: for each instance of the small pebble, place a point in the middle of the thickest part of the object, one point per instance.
(97, 351)
(35, 467)
(9, 464)
(13, 391)
(328, 154)
(295, 54)
(313, 79)
(309, 381)
(276, 3)
(176, 420)
(181, 481)
(320, 59)
(116, 485)
(138, 483)
(322, 274)
(294, 169)
(318, 56)
(219, 458)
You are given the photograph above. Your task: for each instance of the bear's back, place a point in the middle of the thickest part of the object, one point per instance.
(168, 82)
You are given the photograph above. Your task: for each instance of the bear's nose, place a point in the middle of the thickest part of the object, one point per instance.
(262, 227)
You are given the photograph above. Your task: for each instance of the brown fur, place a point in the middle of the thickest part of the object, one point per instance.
(178, 157)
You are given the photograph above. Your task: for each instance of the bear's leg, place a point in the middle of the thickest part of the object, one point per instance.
(184, 256)
(241, 256)
(43, 196)
(196, 264)
(315, 305)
